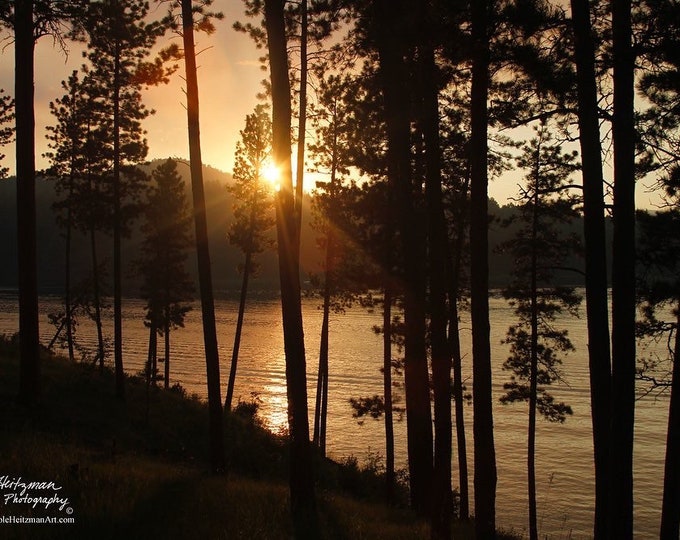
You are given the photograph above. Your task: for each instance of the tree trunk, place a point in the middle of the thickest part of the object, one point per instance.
(150, 366)
(97, 298)
(117, 233)
(239, 328)
(456, 359)
(151, 356)
(533, 368)
(454, 262)
(303, 499)
(442, 496)
(29, 369)
(670, 510)
(166, 352)
(595, 258)
(485, 455)
(323, 349)
(217, 456)
(623, 278)
(302, 121)
(67, 271)
(387, 391)
(321, 405)
(393, 73)
(321, 409)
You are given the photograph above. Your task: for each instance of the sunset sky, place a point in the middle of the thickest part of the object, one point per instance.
(229, 79)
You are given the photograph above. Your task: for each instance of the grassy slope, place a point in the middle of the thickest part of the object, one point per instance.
(132, 477)
(129, 474)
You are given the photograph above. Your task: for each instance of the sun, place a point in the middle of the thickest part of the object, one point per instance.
(271, 174)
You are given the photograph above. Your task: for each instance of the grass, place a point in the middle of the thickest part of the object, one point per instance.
(138, 468)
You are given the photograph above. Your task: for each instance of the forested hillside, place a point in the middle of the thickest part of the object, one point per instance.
(225, 257)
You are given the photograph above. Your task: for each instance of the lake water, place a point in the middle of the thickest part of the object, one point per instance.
(565, 482)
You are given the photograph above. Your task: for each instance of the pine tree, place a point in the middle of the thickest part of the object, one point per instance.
(167, 285)
(68, 163)
(119, 42)
(659, 302)
(538, 250)
(253, 212)
(6, 132)
(29, 20)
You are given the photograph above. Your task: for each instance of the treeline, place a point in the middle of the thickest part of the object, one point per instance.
(226, 257)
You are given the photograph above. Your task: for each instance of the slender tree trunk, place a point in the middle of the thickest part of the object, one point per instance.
(321, 404)
(117, 233)
(303, 499)
(323, 350)
(154, 357)
(151, 356)
(393, 73)
(321, 409)
(69, 235)
(302, 121)
(485, 455)
(456, 359)
(670, 509)
(97, 298)
(442, 496)
(150, 360)
(387, 390)
(623, 278)
(454, 262)
(29, 369)
(595, 258)
(67, 271)
(217, 455)
(388, 298)
(324, 404)
(166, 355)
(533, 368)
(239, 328)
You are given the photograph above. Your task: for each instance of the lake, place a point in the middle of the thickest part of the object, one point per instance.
(565, 484)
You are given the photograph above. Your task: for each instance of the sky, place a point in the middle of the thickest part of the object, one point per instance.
(229, 79)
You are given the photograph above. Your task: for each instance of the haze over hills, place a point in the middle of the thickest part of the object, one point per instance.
(225, 258)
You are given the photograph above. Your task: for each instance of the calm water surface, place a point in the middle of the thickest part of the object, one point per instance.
(564, 452)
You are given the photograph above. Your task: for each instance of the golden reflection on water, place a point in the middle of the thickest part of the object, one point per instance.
(274, 410)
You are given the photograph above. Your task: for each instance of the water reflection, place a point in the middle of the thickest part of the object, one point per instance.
(564, 452)
(274, 409)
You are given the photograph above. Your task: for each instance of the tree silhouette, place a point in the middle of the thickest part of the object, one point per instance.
(595, 256)
(6, 132)
(385, 18)
(167, 285)
(538, 248)
(659, 297)
(29, 20)
(253, 212)
(119, 42)
(68, 166)
(203, 21)
(303, 500)
(623, 275)
(484, 449)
